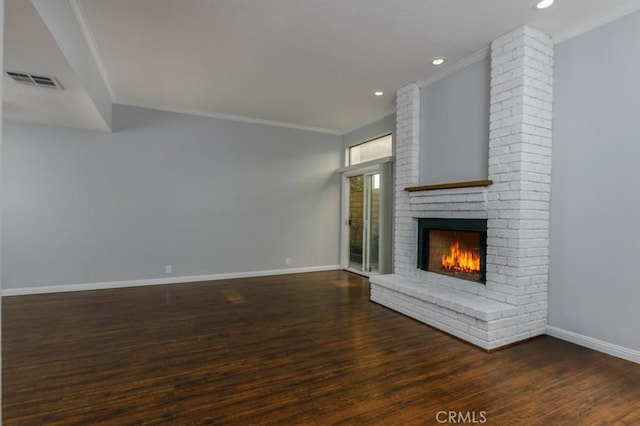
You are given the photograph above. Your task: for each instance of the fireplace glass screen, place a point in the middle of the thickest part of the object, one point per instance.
(456, 252)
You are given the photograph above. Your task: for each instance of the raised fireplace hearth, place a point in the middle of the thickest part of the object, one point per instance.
(454, 247)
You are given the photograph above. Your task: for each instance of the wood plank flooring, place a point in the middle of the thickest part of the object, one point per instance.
(284, 350)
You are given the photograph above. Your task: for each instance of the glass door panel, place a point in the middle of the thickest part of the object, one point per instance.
(356, 222)
(364, 222)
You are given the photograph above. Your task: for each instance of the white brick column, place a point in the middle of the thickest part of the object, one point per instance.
(520, 167)
(407, 144)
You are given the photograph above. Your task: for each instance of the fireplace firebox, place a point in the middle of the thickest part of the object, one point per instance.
(454, 247)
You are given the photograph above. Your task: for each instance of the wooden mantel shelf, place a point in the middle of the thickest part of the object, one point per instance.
(465, 184)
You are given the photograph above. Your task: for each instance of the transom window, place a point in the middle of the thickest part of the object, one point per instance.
(371, 150)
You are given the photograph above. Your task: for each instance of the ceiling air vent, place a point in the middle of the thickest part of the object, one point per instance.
(35, 80)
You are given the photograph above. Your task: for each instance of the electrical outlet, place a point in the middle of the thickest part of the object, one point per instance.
(287, 261)
(168, 269)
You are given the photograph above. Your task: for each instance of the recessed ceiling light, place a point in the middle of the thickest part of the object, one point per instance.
(378, 93)
(437, 61)
(543, 4)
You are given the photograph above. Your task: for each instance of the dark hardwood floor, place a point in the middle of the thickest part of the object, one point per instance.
(294, 349)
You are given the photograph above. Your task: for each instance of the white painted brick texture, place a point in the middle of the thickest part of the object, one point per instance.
(407, 174)
(520, 161)
(516, 206)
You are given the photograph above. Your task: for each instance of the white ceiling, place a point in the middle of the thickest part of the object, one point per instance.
(30, 47)
(308, 63)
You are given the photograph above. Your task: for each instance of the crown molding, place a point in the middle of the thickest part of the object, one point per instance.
(380, 117)
(597, 21)
(231, 117)
(457, 66)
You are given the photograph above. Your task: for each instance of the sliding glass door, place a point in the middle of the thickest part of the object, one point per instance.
(367, 207)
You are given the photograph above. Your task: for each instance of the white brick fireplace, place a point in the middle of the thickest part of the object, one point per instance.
(512, 304)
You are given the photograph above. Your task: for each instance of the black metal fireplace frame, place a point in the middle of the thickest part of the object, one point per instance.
(471, 225)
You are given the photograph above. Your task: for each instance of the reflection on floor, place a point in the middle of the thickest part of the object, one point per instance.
(357, 266)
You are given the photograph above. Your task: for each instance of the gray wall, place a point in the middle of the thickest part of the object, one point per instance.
(378, 128)
(207, 196)
(454, 126)
(595, 203)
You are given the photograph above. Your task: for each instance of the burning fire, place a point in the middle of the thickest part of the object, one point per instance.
(461, 260)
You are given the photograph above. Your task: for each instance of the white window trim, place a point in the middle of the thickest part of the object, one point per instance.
(364, 167)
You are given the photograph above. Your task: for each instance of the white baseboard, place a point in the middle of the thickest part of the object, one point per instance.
(595, 344)
(159, 281)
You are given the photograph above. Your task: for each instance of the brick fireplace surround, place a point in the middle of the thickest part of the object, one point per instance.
(512, 306)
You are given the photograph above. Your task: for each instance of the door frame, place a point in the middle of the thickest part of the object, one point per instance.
(368, 215)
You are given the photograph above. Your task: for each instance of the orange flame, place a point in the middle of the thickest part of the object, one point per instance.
(461, 260)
